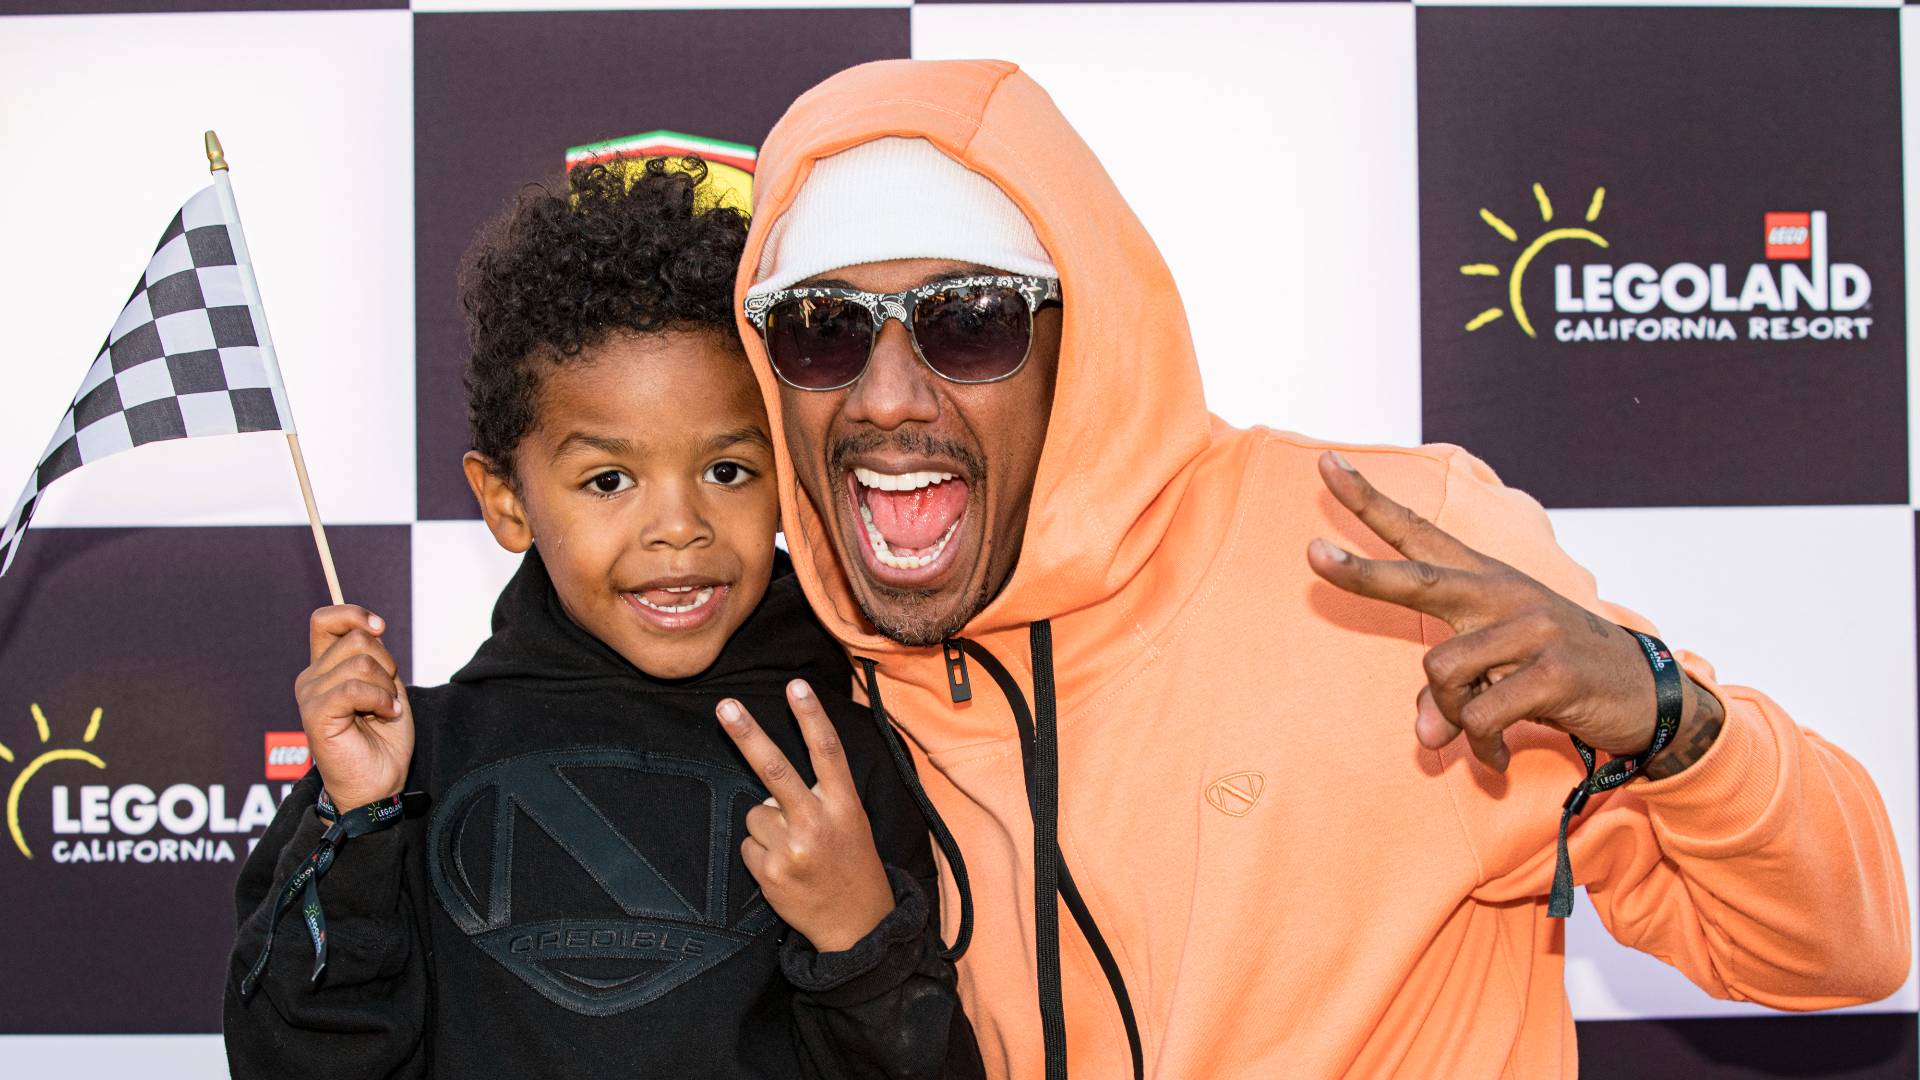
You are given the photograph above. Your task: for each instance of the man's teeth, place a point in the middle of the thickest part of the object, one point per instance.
(902, 562)
(704, 594)
(912, 481)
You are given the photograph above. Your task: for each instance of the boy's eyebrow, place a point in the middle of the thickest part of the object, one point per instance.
(748, 434)
(603, 443)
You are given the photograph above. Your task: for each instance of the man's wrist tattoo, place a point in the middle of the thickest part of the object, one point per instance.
(1691, 745)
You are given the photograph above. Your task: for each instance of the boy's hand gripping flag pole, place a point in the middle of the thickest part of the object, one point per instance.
(189, 356)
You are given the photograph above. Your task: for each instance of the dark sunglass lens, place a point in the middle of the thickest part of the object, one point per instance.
(974, 334)
(818, 344)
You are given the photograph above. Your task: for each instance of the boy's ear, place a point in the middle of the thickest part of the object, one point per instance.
(499, 503)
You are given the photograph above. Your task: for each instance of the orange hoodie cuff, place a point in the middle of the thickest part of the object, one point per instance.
(1720, 805)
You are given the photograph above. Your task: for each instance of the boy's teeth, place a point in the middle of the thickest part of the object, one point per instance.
(912, 481)
(705, 594)
(902, 562)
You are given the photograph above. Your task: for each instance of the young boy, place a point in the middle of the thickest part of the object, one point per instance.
(601, 887)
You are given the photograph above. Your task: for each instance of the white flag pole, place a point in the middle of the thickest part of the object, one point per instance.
(217, 164)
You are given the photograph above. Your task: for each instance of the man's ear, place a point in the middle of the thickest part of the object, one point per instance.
(499, 503)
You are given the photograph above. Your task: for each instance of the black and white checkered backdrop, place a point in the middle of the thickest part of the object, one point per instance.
(1648, 260)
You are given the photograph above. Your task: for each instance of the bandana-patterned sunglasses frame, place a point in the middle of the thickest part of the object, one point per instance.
(904, 306)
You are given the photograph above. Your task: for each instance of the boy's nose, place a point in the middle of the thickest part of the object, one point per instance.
(677, 522)
(896, 387)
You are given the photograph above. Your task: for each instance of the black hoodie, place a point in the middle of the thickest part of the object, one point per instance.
(574, 904)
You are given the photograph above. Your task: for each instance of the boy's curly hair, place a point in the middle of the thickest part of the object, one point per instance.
(618, 250)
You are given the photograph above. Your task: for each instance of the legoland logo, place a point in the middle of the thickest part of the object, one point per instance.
(1683, 300)
(41, 761)
(125, 823)
(1789, 236)
(287, 755)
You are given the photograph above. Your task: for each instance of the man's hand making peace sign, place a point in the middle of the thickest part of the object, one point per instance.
(1520, 651)
(810, 848)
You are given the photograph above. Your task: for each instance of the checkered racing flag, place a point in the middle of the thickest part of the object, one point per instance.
(189, 356)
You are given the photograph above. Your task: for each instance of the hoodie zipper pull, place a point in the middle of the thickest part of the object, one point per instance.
(957, 683)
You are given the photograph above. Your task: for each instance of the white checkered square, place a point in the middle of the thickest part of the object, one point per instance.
(143, 383)
(1290, 227)
(208, 414)
(220, 286)
(245, 367)
(316, 110)
(173, 257)
(136, 314)
(186, 331)
(105, 436)
(1757, 591)
(202, 211)
(458, 570)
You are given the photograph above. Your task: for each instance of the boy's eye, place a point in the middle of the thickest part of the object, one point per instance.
(611, 482)
(728, 473)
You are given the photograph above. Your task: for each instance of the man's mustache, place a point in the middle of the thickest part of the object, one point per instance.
(906, 442)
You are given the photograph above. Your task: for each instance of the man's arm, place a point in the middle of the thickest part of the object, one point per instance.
(1699, 725)
(1752, 855)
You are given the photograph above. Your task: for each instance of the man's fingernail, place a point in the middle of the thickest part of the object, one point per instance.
(729, 711)
(1332, 552)
(1341, 460)
(799, 688)
(377, 623)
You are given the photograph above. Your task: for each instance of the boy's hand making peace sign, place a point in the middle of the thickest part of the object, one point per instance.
(810, 849)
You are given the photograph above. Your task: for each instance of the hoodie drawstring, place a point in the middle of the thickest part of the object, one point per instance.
(942, 835)
(1040, 758)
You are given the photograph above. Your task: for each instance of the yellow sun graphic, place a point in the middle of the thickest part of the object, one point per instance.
(1533, 248)
(47, 757)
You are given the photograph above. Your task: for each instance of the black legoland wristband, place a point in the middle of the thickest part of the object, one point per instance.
(1669, 699)
(303, 885)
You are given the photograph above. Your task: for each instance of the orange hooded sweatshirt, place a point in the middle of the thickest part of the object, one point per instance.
(1286, 883)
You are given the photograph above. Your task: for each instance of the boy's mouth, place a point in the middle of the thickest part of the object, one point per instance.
(678, 603)
(907, 521)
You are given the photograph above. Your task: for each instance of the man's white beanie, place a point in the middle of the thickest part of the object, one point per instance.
(896, 198)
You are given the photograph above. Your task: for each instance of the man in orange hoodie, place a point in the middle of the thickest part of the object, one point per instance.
(1156, 672)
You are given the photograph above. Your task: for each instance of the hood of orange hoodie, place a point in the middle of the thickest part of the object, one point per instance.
(1128, 416)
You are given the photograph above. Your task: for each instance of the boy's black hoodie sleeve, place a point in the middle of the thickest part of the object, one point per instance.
(367, 1018)
(890, 1005)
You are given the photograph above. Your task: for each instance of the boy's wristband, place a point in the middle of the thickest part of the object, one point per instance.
(303, 885)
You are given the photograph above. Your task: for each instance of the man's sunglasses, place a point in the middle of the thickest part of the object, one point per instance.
(967, 329)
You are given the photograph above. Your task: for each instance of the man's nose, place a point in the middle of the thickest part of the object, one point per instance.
(896, 388)
(675, 519)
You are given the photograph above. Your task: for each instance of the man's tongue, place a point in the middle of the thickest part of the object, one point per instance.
(912, 521)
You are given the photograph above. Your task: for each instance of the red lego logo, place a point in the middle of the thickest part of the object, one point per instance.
(1789, 236)
(286, 755)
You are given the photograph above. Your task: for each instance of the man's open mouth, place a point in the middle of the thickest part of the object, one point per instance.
(908, 520)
